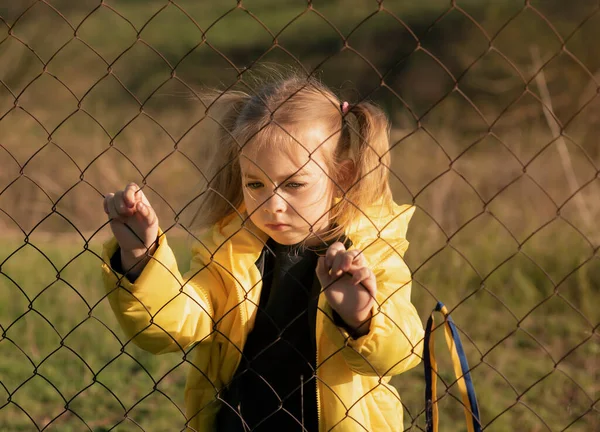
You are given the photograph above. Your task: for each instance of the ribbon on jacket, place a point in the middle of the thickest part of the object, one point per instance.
(461, 371)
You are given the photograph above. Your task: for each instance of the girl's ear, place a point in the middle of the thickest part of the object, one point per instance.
(346, 175)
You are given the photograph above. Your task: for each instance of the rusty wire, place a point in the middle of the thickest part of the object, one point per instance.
(586, 418)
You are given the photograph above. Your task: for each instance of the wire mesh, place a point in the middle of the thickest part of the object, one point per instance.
(494, 111)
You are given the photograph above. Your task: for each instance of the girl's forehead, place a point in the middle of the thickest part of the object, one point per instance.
(280, 147)
(296, 140)
(281, 161)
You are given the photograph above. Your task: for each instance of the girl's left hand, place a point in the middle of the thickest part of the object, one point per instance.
(350, 286)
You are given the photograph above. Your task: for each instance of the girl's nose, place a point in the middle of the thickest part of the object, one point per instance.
(275, 204)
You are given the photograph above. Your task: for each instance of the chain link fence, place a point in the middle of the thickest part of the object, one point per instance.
(495, 123)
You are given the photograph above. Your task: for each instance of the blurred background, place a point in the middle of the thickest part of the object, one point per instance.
(495, 119)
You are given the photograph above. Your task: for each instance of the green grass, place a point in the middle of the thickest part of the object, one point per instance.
(62, 348)
(64, 360)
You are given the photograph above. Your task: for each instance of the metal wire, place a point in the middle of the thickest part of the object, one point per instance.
(505, 234)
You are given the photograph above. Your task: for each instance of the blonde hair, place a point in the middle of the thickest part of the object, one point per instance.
(276, 114)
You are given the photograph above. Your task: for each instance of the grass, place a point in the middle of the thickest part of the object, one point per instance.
(65, 364)
(63, 348)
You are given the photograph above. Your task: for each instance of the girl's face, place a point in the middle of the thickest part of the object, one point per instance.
(287, 192)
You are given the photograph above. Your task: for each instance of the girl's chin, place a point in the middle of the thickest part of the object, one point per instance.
(289, 235)
(286, 239)
(307, 239)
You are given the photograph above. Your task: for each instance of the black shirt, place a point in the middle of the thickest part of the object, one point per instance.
(274, 387)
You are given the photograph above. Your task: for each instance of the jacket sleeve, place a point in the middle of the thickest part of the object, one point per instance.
(394, 342)
(161, 311)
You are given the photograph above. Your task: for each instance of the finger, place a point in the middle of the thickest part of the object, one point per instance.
(344, 262)
(129, 196)
(360, 275)
(113, 214)
(351, 259)
(331, 253)
(359, 258)
(323, 272)
(142, 197)
(107, 198)
(365, 277)
(337, 265)
(122, 209)
(145, 214)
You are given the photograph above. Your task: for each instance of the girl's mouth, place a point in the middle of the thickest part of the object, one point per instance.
(277, 227)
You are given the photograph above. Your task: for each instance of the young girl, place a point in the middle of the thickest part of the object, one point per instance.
(296, 311)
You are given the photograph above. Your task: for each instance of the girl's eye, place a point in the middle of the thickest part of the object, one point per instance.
(253, 185)
(294, 185)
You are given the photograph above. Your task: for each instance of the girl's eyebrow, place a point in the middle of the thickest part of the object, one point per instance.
(296, 174)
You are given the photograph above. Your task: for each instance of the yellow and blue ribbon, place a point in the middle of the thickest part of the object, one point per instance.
(461, 371)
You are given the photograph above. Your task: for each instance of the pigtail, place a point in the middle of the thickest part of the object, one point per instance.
(222, 194)
(373, 158)
(368, 141)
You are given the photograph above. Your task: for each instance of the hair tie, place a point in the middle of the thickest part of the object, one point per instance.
(345, 107)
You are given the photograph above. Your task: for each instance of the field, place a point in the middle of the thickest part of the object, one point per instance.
(497, 148)
(532, 345)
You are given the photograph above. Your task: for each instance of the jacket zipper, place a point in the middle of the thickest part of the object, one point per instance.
(317, 371)
(318, 398)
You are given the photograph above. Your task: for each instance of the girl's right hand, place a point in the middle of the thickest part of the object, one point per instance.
(132, 220)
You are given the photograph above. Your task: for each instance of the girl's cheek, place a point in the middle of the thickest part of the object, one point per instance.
(250, 202)
(250, 196)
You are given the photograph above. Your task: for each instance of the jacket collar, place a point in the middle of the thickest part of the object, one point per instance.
(237, 233)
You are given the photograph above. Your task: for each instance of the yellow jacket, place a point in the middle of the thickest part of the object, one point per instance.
(208, 313)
